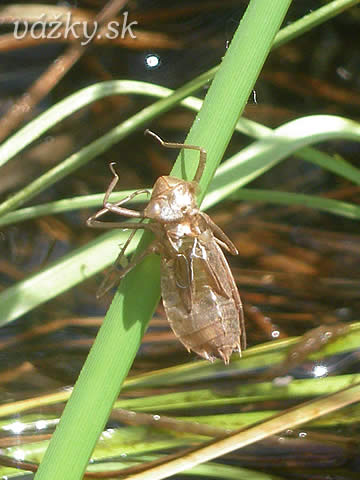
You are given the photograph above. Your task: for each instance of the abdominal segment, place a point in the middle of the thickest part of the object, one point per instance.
(201, 305)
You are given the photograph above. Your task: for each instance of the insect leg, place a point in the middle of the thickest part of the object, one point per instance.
(223, 240)
(112, 185)
(222, 244)
(115, 207)
(124, 247)
(202, 159)
(94, 223)
(115, 274)
(152, 248)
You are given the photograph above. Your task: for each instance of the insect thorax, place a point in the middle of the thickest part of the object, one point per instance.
(172, 200)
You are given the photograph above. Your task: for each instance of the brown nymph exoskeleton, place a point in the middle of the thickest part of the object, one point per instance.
(199, 293)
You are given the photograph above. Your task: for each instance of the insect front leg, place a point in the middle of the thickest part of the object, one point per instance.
(94, 223)
(116, 208)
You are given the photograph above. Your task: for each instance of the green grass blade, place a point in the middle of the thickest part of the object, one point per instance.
(98, 146)
(260, 356)
(78, 100)
(88, 95)
(290, 418)
(242, 394)
(39, 126)
(62, 275)
(229, 472)
(230, 176)
(66, 205)
(263, 154)
(119, 337)
(335, 207)
(312, 20)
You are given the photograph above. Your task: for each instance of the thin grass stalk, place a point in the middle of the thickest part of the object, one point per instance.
(290, 418)
(234, 173)
(289, 199)
(64, 108)
(118, 340)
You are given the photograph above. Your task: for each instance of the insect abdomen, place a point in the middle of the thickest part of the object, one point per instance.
(205, 321)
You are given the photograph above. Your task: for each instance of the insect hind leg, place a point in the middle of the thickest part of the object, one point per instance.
(115, 275)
